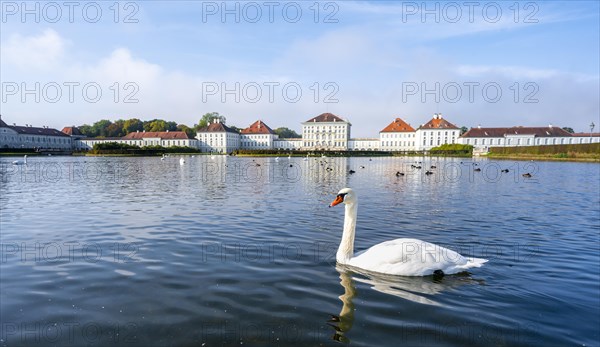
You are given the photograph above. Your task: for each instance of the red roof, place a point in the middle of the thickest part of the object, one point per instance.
(217, 128)
(72, 131)
(586, 134)
(437, 122)
(165, 135)
(258, 127)
(397, 126)
(326, 117)
(501, 132)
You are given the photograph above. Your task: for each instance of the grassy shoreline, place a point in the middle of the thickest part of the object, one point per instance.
(553, 157)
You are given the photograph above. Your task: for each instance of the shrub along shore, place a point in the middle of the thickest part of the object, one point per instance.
(580, 152)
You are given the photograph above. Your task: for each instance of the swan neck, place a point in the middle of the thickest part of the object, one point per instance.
(346, 249)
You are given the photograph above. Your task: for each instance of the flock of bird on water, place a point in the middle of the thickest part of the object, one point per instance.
(389, 257)
(322, 163)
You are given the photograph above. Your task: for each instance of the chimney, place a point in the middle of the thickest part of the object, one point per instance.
(550, 126)
(167, 130)
(137, 131)
(479, 126)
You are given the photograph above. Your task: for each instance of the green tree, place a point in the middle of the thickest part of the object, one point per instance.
(191, 132)
(87, 130)
(115, 129)
(100, 127)
(156, 125)
(208, 118)
(132, 125)
(234, 128)
(286, 133)
(463, 130)
(569, 130)
(171, 126)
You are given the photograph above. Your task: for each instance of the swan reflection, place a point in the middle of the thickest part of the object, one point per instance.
(415, 289)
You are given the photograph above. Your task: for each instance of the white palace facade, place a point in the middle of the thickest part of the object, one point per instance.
(325, 132)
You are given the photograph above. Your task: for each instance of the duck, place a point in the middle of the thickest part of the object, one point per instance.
(433, 167)
(20, 162)
(477, 170)
(402, 257)
(351, 172)
(362, 166)
(504, 170)
(398, 174)
(527, 175)
(428, 172)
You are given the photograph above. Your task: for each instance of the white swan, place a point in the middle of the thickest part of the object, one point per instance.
(21, 162)
(405, 257)
(306, 159)
(290, 157)
(181, 161)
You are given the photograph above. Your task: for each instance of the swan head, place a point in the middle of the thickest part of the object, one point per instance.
(346, 195)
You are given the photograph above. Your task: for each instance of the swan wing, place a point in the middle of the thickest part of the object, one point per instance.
(412, 257)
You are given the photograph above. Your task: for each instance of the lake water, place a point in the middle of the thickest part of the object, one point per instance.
(144, 252)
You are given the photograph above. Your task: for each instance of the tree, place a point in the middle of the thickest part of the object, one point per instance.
(171, 126)
(156, 125)
(87, 130)
(463, 130)
(132, 125)
(284, 132)
(100, 127)
(191, 132)
(208, 118)
(234, 128)
(115, 129)
(569, 130)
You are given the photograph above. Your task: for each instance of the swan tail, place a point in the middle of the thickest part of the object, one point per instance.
(474, 262)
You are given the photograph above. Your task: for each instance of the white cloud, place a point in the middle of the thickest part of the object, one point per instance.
(43, 51)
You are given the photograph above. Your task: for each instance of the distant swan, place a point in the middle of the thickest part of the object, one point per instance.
(405, 257)
(181, 161)
(21, 162)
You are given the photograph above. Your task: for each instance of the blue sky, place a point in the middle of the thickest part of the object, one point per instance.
(365, 63)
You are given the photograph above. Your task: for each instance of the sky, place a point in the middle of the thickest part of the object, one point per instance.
(477, 63)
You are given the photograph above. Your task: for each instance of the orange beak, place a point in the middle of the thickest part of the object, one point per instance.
(338, 200)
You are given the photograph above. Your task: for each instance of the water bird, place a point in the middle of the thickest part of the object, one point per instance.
(433, 167)
(20, 162)
(276, 158)
(527, 175)
(290, 157)
(391, 257)
(398, 174)
(428, 172)
(351, 172)
(504, 170)
(212, 156)
(291, 165)
(477, 170)
(181, 161)
(305, 159)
